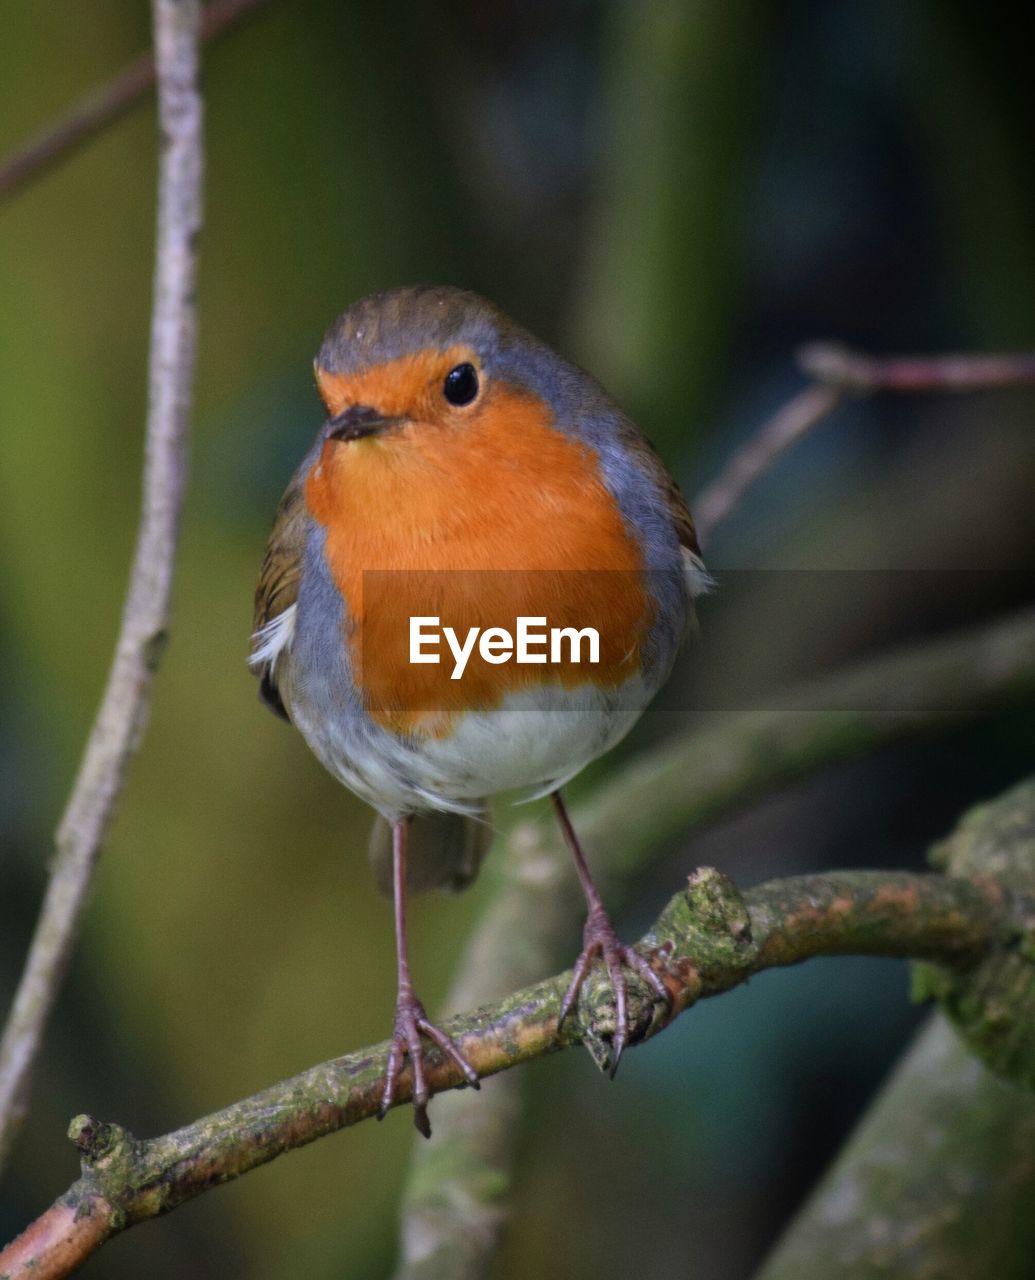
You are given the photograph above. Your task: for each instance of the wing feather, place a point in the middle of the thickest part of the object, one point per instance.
(277, 592)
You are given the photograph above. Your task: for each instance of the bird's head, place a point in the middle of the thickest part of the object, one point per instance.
(434, 396)
(411, 368)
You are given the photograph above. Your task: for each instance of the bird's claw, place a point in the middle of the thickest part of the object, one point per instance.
(599, 938)
(411, 1022)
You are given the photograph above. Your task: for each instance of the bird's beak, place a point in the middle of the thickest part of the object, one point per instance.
(357, 421)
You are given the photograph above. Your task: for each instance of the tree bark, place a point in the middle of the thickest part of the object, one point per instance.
(939, 1179)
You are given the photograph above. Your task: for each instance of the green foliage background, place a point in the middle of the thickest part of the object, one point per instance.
(674, 192)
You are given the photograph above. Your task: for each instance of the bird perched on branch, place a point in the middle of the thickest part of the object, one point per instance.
(469, 478)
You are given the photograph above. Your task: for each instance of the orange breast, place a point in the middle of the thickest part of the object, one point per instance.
(476, 523)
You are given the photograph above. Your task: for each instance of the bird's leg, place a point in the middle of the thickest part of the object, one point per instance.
(599, 938)
(410, 1019)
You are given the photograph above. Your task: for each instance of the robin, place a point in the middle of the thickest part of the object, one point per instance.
(468, 482)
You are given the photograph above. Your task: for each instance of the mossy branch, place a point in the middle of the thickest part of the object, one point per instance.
(938, 1179)
(709, 939)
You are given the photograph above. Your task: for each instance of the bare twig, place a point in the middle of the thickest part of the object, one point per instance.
(794, 420)
(708, 940)
(838, 373)
(838, 366)
(107, 104)
(117, 728)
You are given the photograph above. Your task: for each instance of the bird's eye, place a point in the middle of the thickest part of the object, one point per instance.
(461, 384)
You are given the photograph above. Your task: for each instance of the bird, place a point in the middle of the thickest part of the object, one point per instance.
(466, 475)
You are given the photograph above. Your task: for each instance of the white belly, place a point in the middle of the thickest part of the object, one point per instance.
(535, 741)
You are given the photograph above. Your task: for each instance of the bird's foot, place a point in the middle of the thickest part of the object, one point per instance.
(411, 1022)
(599, 939)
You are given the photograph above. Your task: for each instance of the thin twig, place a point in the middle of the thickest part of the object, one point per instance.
(838, 373)
(105, 105)
(708, 940)
(120, 718)
(839, 366)
(794, 420)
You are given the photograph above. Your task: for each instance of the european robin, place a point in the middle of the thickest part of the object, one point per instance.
(468, 477)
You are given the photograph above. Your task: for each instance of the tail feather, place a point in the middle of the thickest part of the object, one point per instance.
(444, 851)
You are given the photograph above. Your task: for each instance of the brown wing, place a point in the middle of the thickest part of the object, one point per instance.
(638, 444)
(279, 577)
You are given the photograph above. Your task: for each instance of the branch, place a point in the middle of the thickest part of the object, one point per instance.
(709, 939)
(837, 373)
(938, 1179)
(118, 726)
(109, 103)
(837, 366)
(754, 458)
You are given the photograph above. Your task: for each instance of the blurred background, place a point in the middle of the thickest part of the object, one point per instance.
(675, 193)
